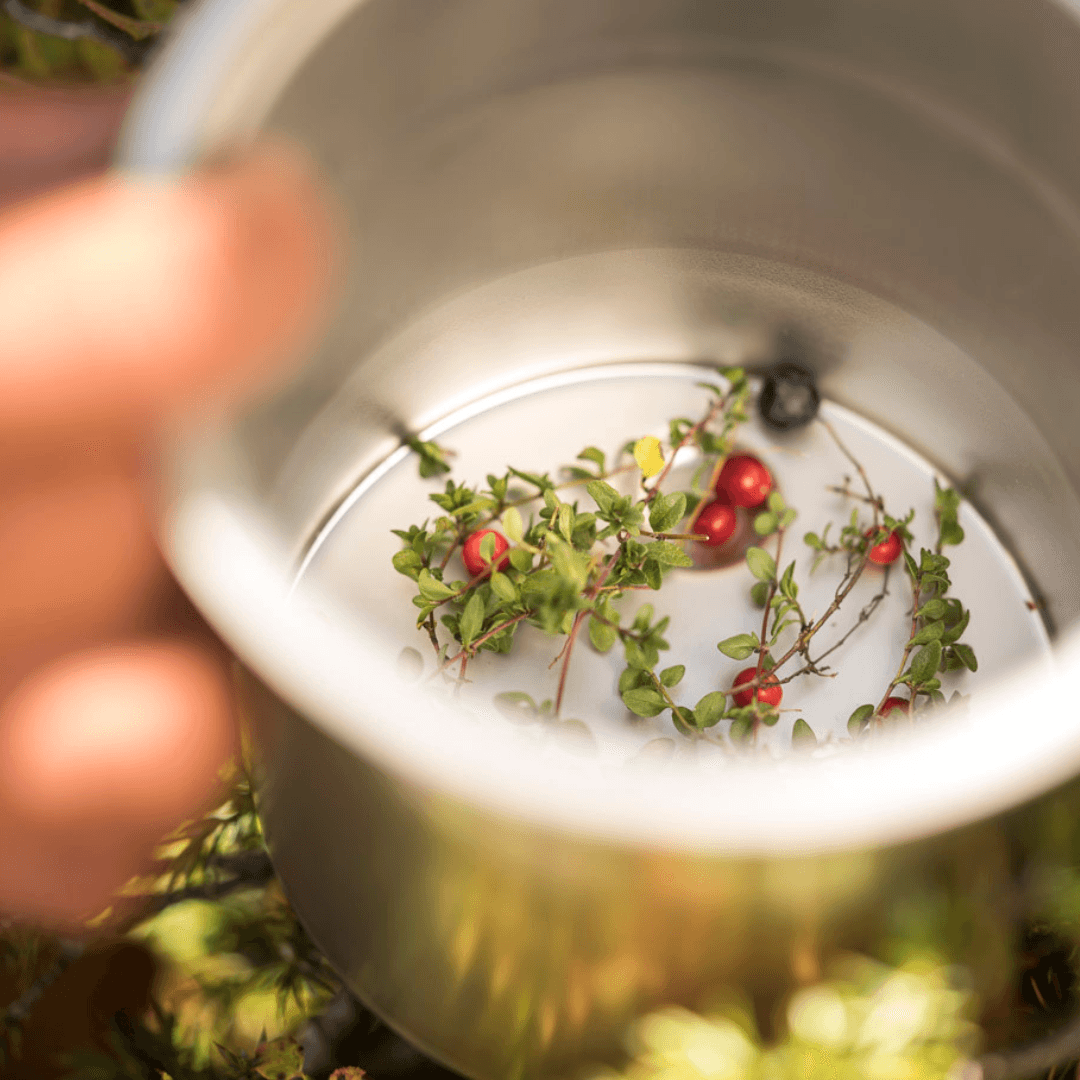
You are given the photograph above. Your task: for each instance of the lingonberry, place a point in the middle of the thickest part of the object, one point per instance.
(770, 692)
(888, 551)
(744, 481)
(894, 703)
(475, 563)
(718, 522)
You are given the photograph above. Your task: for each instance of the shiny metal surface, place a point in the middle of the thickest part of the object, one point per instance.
(532, 185)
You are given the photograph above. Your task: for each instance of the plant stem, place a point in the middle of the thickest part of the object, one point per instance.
(915, 590)
(568, 648)
(473, 646)
(717, 406)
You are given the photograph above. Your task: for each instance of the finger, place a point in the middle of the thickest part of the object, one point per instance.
(48, 137)
(77, 557)
(101, 754)
(125, 303)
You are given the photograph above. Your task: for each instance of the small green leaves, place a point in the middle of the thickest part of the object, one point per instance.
(513, 526)
(766, 523)
(947, 507)
(759, 593)
(432, 457)
(788, 588)
(739, 647)
(408, 562)
(933, 609)
(966, 655)
(503, 587)
(709, 711)
(859, 718)
(516, 705)
(930, 632)
(924, 664)
(472, 619)
(644, 702)
(603, 494)
(761, 563)
(591, 453)
(431, 588)
(802, 736)
(666, 553)
(602, 635)
(666, 511)
(672, 676)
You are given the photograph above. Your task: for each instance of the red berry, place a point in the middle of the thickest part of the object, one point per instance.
(744, 481)
(888, 551)
(895, 703)
(475, 563)
(718, 522)
(770, 692)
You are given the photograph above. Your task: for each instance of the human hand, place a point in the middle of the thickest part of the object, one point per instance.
(123, 305)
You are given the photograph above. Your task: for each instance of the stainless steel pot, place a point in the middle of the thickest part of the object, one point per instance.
(532, 185)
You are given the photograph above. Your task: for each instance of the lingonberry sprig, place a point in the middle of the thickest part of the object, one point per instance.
(938, 622)
(567, 567)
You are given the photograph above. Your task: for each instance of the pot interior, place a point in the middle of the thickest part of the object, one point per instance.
(886, 193)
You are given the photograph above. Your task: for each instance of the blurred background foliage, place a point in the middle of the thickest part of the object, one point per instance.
(202, 972)
(79, 41)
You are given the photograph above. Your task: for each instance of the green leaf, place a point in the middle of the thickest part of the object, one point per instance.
(431, 588)
(591, 453)
(407, 562)
(432, 457)
(667, 553)
(859, 718)
(738, 647)
(516, 705)
(811, 539)
(644, 701)
(710, 710)
(761, 563)
(487, 547)
(503, 587)
(759, 593)
(787, 583)
(667, 511)
(765, 523)
(925, 663)
(654, 577)
(472, 619)
(566, 522)
(602, 635)
(967, 654)
(802, 735)
(603, 494)
(912, 565)
(787, 518)
(513, 526)
(776, 502)
(931, 632)
(672, 676)
(521, 560)
(955, 632)
(934, 609)
(631, 678)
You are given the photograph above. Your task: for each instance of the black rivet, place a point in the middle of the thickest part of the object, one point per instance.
(789, 398)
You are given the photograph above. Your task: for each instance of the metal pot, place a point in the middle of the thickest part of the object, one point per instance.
(533, 185)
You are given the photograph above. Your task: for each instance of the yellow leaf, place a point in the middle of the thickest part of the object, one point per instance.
(648, 455)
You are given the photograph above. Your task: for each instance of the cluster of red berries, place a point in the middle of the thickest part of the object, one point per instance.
(743, 482)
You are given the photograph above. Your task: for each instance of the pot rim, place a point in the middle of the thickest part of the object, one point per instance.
(955, 772)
